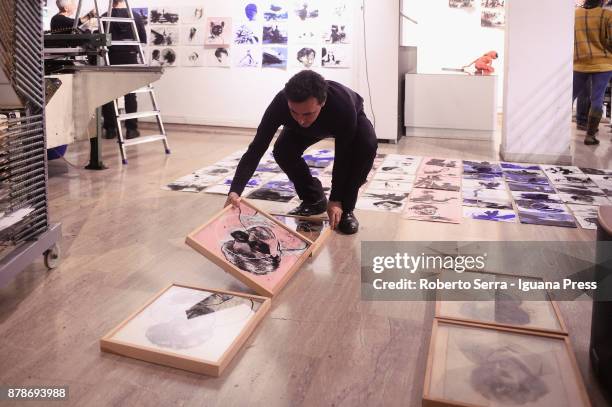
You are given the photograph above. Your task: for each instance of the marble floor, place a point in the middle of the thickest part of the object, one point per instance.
(321, 345)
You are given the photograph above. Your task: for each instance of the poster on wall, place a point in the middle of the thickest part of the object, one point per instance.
(192, 15)
(274, 57)
(493, 13)
(193, 34)
(275, 33)
(306, 33)
(218, 30)
(335, 56)
(246, 56)
(305, 10)
(461, 4)
(218, 57)
(143, 13)
(275, 10)
(163, 57)
(247, 33)
(164, 15)
(192, 56)
(337, 33)
(304, 56)
(161, 35)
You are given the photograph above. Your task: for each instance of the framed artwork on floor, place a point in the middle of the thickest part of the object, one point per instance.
(480, 366)
(253, 246)
(189, 328)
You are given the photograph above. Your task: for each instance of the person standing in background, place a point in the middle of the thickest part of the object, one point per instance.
(62, 22)
(123, 55)
(592, 60)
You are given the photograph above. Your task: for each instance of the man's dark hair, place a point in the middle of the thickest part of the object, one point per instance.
(304, 85)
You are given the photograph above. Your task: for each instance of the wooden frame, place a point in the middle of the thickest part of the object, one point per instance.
(253, 281)
(431, 401)
(318, 242)
(555, 308)
(176, 360)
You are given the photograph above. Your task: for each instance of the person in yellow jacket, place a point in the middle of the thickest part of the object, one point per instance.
(592, 59)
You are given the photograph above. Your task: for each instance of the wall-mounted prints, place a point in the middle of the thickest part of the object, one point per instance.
(511, 307)
(337, 33)
(218, 31)
(189, 328)
(336, 56)
(382, 201)
(218, 57)
(493, 14)
(275, 33)
(306, 33)
(143, 13)
(479, 365)
(438, 212)
(495, 215)
(193, 35)
(163, 15)
(339, 10)
(192, 57)
(305, 10)
(275, 10)
(163, 57)
(461, 3)
(164, 35)
(248, 10)
(246, 56)
(585, 215)
(274, 57)
(247, 33)
(192, 15)
(304, 56)
(252, 246)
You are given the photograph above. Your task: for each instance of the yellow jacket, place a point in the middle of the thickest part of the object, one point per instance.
(593, 40)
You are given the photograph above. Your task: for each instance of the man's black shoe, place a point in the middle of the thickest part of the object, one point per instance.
(348, 224)
(110, 133)
(310, 209)
(132, 133)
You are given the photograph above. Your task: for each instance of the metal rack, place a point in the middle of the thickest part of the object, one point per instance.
(23, 161)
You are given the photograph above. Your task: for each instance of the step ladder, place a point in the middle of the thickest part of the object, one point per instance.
(104, 26)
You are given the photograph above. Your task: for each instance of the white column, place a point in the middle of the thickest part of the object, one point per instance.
(538, 81)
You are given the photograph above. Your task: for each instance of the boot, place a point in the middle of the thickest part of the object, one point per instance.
(593, 127)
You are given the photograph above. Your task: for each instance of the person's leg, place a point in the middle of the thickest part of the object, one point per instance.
(580, 80)
(363, 152)
(287, 152)
(362, 159)
(583, 105)
(599, 81)
(110, 123)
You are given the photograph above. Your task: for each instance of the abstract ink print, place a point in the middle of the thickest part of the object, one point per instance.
(274, 57)
(495, 215)
(304, 11)
(163, 16)
(244, 34)
(337, 34)
(164, 36)
(306, 56)
(275, 34)
(214, 303)
(219, 30)
(276, 11)
(250, 11)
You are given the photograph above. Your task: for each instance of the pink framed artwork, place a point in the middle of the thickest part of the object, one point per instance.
(253, 246)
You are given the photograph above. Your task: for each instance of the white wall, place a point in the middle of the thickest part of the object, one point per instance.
(450, 37)
(538, 83)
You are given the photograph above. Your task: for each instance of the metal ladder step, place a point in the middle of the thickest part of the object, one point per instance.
(125, 42)
(144, 139)
(145, 89)
(117, 19)
(138, 115)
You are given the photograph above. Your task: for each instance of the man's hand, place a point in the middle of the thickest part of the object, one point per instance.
(233, 199)
(334, 212)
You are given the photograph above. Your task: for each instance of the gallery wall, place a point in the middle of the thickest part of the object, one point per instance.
(450, 37)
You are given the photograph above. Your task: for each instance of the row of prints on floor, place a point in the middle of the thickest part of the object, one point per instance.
(435, 189)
